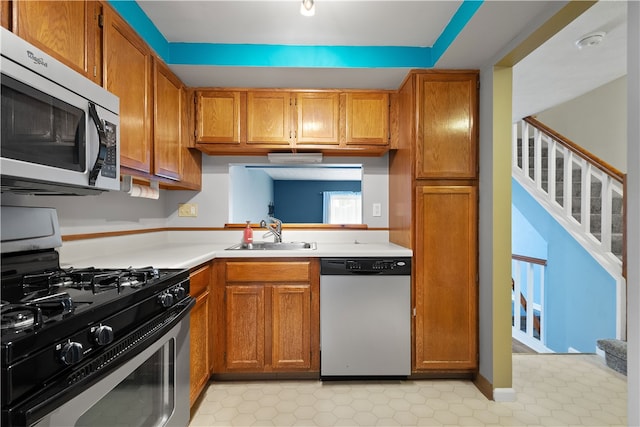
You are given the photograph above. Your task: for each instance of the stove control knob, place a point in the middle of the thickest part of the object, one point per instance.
(166, 300)
(179, 292)
(103, 335)
(71, 353)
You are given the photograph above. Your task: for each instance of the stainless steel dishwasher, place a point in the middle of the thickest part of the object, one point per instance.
(365, 317)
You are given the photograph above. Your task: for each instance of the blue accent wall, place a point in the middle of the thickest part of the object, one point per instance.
(580, 296)
(262, 55)
(525, 240)
(131, 12)
(301, 201)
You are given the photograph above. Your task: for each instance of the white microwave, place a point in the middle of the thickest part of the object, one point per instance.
(60, 131)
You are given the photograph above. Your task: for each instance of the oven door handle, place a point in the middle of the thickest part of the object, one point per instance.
(102, 151)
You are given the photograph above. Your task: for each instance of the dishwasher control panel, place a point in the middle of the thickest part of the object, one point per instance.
(348, 266)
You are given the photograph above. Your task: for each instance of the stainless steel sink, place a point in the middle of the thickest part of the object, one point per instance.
(282, 246)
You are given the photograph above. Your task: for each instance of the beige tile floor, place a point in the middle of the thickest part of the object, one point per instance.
(551, 390)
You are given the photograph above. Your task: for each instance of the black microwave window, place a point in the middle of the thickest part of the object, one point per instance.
(38, 128)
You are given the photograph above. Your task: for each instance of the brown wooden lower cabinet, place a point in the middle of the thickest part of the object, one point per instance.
(446, 293)
(269, 317)
(200, 367)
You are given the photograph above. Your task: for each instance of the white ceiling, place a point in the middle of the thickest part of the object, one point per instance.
(556, 72)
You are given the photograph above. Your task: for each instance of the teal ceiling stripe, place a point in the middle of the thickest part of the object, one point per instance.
(262, 55)
(135, 16)
(463, 15)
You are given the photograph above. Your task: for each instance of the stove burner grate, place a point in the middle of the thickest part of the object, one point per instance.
(19, 317)
(90, 279)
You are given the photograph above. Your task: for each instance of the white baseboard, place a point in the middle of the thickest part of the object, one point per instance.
(504, 395)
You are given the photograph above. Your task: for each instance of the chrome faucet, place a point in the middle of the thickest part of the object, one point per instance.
(275, 227)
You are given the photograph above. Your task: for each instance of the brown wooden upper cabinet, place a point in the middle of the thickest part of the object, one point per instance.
(269, 118)
(367, 118)
(127, 74)
(447, 140)
(317, 118)
(64, 29)
(251, 121)
(218, 116)
(167, 122)
(296, 118)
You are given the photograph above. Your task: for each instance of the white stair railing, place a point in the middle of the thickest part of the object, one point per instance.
(528, 293)
(582, 192)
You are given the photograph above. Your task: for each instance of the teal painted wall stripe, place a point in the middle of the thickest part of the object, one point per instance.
(262, 55)
(246, 55)
(135, 16)
(463, 15)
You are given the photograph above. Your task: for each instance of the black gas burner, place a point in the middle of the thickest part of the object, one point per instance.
(53, 304)
(18, 317)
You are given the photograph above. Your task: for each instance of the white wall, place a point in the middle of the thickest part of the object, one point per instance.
(116, 211)
(633, 215)
(252, 205)
(597, 121)
(112, 211)
(213, 200)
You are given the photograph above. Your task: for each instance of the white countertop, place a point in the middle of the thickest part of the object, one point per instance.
(184, 254)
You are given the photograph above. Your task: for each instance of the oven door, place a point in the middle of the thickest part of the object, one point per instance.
(151, 389)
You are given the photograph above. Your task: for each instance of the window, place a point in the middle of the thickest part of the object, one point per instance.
(342, 207)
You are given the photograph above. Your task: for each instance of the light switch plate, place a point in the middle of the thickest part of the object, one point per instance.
(188, 209)
(377, 209)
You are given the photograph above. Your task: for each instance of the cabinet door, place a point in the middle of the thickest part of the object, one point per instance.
(191, 174)
(64, 29)
(447, 125)
(317, 118)
(445, 282)
(291, 327)
(367, 120)
(245, 327)
(200, 366)
(218, 116)
(5, 14)
(167, 123)
(127, 74)
(269, 118)
(199, 336)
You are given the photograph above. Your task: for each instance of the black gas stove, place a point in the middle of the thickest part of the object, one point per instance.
(62, 328)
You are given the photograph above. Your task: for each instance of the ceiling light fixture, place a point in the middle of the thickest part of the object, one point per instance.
(308, 8)
(590, 40)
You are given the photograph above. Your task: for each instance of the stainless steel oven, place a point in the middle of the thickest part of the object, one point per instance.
(88, 346)
(142, 392)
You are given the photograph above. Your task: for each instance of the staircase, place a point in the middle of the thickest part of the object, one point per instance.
(582, 192)
(595, 201)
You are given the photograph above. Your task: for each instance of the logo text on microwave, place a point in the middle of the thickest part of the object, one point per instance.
(36, 60)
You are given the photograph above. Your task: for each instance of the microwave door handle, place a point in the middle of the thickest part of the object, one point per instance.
(102, 152)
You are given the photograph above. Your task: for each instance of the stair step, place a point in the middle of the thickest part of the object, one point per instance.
(615, 354)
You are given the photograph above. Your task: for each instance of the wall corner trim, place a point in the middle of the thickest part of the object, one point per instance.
(504, 395)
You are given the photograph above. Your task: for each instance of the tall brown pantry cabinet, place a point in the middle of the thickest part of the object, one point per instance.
(433, 179)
